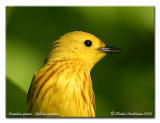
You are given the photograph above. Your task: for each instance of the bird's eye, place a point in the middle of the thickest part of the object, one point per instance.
(88, 43)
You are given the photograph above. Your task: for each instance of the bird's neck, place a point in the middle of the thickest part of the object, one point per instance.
(72, 62)
(75, 71)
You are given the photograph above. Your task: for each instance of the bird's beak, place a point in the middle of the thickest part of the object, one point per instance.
(109, 49)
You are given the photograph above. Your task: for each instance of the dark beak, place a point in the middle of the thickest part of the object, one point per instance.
(109, 49)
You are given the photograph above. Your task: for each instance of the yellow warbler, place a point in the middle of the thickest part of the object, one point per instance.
(63, 86)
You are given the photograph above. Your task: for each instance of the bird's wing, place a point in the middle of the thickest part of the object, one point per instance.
(29, 95)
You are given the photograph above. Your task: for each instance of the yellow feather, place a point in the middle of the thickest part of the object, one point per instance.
(63, 86)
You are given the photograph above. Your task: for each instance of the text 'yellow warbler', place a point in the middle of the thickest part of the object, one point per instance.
(63, 86)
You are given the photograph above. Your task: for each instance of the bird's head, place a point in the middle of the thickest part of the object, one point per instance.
(82, 45)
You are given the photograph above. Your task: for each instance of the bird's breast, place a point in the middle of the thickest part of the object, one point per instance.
(64, 87)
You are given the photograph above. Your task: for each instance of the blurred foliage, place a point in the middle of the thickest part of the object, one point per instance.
(122, 82)
(15, 98)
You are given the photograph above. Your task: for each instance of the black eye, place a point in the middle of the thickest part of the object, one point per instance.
(88, 43)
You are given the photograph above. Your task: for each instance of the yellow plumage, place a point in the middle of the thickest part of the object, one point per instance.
(63, 86)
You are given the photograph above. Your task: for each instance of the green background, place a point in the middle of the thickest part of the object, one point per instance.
(122, 82)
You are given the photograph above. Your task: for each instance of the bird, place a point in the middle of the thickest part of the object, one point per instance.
(63, 86)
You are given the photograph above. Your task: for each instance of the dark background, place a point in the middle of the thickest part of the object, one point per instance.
(122, 82)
